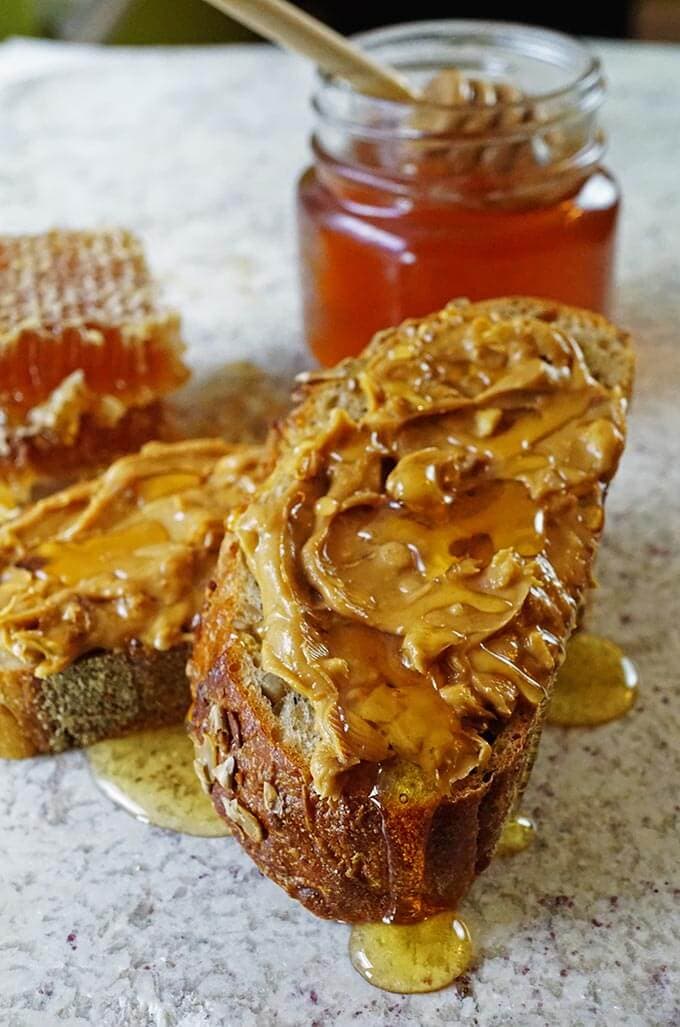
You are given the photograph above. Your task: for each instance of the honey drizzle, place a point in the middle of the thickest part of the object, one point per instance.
(357, 536)
(596, 683)
(135, 546)
(117, 551)
(150, 775)
(412, 958)
(405, 829)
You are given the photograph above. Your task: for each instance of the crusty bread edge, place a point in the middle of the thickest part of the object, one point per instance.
(101, 695)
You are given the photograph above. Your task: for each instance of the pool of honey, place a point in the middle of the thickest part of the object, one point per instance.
(150, 774)
(369, 259)
(596, 683)
(30, 371)
(519, 832)
(412, 958)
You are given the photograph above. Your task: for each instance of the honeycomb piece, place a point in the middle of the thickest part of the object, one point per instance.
(31, 467)
(83, 304)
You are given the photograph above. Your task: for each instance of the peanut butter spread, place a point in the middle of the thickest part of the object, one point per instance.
(422, 556)
(122, 558)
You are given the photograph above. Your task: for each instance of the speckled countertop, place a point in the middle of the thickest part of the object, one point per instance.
(104, 921)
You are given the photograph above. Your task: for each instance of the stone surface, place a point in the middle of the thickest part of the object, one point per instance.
(104, 921)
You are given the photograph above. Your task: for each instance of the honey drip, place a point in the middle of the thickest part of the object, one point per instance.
(411, 958)
(596, 683)
(517, 835)
(150, 774)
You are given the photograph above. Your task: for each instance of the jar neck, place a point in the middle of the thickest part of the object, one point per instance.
(476, 179)
(493, 142)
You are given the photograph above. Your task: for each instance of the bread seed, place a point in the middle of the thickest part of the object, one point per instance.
(202, 775)
(234, 728)
(206, 754)
(272, 799)
(486, 422)
(354, 868)
(538, 648)
(243, 818)
(215, 719)
(224, 773)
(273, 687)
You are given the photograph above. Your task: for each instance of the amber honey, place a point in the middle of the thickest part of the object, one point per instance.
(150, 774)
(8, 502)
(412, 958)
(596, 683)
(494, 188)
(114, 551)
(31, 372)
(370, 264)
(519, 832)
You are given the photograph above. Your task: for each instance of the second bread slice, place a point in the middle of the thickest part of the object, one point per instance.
(100, 588)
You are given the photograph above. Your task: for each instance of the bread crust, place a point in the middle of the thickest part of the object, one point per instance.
(353, 858)
(102, 695)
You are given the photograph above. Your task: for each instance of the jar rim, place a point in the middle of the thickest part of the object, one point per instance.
(550, 133)
(531, 41)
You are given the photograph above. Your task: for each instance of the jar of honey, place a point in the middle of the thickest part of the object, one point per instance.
(490, 183)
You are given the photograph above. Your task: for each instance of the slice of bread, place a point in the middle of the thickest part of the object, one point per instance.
(101, 695)
(331, 797)
(100, 588)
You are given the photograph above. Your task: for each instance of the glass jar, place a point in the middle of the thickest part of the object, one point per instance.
(407, 206)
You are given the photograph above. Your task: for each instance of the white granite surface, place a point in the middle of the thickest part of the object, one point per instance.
(104, 921)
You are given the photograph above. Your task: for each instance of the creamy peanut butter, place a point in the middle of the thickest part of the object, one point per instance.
(421, 559)
(123, 557)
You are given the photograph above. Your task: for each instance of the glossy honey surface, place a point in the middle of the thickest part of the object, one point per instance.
(370, 259)
(151, 775)
(396, 563)
(596, 683)
(412, 958)
(518, 834)
(73, 562)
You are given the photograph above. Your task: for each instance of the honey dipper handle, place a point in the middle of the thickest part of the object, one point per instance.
(287, 25)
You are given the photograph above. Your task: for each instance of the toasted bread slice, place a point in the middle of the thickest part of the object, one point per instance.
(100, 588)
(374, 664)
(101, 695)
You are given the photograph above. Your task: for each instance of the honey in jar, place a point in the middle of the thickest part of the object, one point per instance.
(491, 185)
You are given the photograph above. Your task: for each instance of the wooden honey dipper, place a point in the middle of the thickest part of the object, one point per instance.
(452, 103)
(461, 108)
